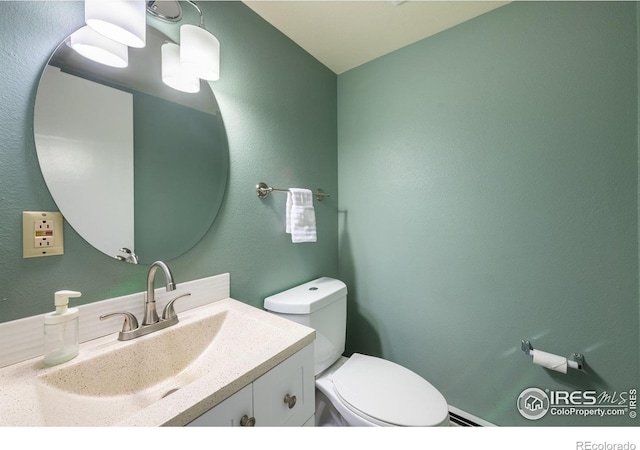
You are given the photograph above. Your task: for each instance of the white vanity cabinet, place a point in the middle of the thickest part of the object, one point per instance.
(284, 396)
(230, 412)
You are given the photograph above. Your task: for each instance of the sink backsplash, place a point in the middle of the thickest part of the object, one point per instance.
(23, 339)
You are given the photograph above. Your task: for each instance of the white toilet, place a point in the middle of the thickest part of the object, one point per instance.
(360, 390)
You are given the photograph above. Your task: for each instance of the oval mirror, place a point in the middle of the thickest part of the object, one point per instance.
(133, 165)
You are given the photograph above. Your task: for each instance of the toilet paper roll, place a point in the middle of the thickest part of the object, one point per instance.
(550, 361)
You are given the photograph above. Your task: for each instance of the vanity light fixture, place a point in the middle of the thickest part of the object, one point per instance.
(98, 48)
(173, 75)
(124, 21)
(199, 50)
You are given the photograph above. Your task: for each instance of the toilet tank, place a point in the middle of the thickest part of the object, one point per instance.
(320, 304)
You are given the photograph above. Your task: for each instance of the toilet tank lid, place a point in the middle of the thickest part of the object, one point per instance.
(308, 297)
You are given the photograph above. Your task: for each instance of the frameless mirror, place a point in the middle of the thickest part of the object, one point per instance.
(130, 162)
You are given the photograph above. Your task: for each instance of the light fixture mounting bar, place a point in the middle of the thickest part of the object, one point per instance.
(167, 11)
(195, 5)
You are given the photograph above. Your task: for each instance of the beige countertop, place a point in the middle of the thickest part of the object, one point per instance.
(126, 383)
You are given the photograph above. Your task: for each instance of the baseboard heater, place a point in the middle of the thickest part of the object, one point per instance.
(464, 419)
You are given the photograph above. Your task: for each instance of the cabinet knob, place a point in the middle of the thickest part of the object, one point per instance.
(290, 400)
(247, 421)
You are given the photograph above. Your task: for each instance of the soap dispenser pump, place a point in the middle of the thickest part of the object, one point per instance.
(61, 330)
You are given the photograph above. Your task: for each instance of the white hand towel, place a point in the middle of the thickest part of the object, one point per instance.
(300, 216)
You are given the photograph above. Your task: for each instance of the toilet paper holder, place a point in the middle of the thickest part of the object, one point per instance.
(575, 361)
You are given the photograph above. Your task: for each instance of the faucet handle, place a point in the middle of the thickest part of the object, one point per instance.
(169, 312)
(130, 321)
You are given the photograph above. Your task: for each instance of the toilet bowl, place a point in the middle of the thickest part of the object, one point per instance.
(361, 390)
(369, 391)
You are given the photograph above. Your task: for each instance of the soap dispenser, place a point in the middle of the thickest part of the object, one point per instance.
(61, 330)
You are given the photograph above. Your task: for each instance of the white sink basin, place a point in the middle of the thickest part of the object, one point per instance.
(169, 377)
(137, 365)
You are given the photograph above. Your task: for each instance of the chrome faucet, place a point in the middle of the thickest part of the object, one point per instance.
(151, 322)
(150, 313)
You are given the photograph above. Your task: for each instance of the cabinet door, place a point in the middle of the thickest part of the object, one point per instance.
(229, 412)
(285, 396)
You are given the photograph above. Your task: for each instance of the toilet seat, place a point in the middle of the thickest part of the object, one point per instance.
(386, 393)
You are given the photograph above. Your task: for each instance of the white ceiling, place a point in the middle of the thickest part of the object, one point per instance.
(345, 34)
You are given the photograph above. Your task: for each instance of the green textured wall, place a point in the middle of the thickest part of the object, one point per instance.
(488, 191)
(279, 108)
(488, 182)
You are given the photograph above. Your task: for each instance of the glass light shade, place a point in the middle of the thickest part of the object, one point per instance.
(99, 48)
(199, 52)
(173, 75)
(120, 20)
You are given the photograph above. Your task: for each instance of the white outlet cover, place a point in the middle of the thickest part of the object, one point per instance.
(31, 220)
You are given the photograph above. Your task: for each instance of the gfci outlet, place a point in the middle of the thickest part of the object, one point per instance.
(42, 234)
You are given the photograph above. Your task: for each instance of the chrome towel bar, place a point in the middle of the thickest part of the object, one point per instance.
(263, 190)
